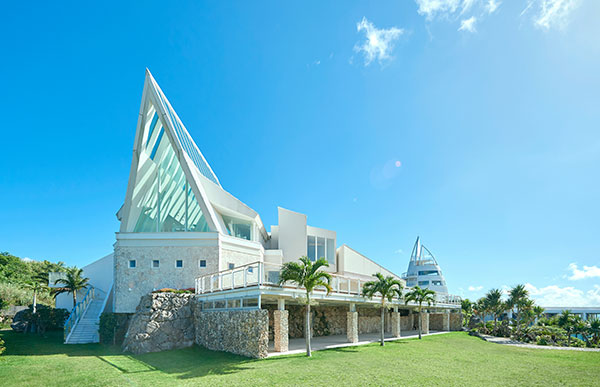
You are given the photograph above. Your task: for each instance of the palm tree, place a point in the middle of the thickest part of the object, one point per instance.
(387, 287)
(493, 300)
(420, 296)
(594, 330)
(566, 322)
(480, 308)
(307, 275)
(467, 310)
(538, 311)
(72, 283)
(516, 299)
(37, 288)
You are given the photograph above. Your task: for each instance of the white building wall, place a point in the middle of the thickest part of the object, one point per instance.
(352, 262)
(292, 234)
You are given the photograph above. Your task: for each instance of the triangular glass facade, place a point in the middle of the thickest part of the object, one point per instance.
(162, 199)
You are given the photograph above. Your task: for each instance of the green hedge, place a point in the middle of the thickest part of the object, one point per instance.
(2, 347)
(113, 327)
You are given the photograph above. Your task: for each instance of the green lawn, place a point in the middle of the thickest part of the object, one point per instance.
(451, 359)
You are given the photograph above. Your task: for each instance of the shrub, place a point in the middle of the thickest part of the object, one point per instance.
(2, 347)
(46, 318)
(15, 294)
(113, 327)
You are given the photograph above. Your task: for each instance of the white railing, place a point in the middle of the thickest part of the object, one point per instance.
(263, 273)
(77, 311)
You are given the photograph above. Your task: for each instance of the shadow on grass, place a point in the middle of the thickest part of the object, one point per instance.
(186, 363)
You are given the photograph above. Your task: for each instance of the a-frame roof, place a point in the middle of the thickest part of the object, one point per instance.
(202, 180)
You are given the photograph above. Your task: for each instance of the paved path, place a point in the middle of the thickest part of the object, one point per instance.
(514, 343)
(339, 341)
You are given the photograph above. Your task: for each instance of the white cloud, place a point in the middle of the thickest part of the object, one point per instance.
(378, 43)
(399, 251)
(468, 24)
(27, 259)
(475, 288)
(568, 296)
(432, 8)
(550, 14)
(467, 11)
(492, 6)
(587, 272)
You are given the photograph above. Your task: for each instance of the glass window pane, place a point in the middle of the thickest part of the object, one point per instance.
(310, 247)
(320, 247)
(162, 199)
(238, 228)
(331, 251)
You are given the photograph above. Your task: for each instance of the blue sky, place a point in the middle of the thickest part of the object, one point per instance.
(490, 109)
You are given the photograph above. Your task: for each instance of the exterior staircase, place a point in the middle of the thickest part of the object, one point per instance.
(86, 329)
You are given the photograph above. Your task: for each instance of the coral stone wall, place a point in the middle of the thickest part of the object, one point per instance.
(162, 321)
(407, 322)
(243, 332)
(436, 322)
(326, 320)
(133, 283)
(455, 321)
(369, 320)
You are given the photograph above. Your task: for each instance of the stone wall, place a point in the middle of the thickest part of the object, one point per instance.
(133, 283)
(407, 322)
(162, 321)
(237, 331)
(326, 320)
(369, 320)
(455, 321)
(436, 322)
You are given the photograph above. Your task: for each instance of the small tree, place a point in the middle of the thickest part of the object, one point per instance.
(567, 322)
(495, 305)
(420, 296)
(594, 330)
(307, 275)
(517, 298)
(467, 310)
(72, 283)
(387, 287)
(37, 288)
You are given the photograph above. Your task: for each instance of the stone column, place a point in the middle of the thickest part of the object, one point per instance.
(425, 323)
(280, 327)
(352, 324)
(396, 323)
(446, 321)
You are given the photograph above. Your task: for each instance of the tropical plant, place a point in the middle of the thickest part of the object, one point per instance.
(36, 288)
(517, 297)
(72, 283)
(420, 296)
(480, 308)
(594, 330)
(306, 274)
(467, 310)
(495, 305)
(387, 288)
(538, 311)
(567, 322)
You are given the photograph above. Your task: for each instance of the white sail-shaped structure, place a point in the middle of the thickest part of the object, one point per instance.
(424, 271)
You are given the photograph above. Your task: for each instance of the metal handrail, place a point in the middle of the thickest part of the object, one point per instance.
(77, 310)
(256, 274)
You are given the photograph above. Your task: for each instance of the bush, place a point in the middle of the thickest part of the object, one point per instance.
(2, 347)
(15, 294)
(45, 319)
(113, 327)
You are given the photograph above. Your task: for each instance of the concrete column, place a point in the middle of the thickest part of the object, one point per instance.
(446, 321)
(425, 323)
(280, 327)
(352, 327)
(395, 324)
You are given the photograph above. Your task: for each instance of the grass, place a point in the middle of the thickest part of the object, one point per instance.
(446, 360)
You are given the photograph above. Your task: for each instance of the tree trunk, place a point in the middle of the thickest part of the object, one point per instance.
(307, 330)
(495, 322)
(74, 298)
(569, 338)
(34, 301)
(382, 325)
(420, 323)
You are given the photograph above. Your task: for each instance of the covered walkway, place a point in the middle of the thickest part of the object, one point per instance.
(338, 341)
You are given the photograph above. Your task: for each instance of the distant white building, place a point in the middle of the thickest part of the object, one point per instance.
(424, 271)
